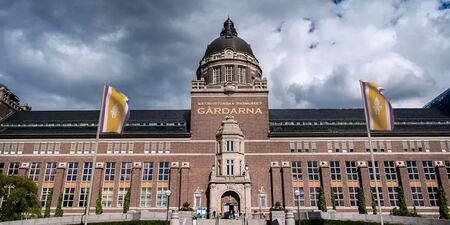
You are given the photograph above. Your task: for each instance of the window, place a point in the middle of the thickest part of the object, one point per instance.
(433, 196)
(146, 197)
(353, 194)
(230, 167)
(107, 195)
(389, 170)
(161, 197)
(2, 165)
(428, 170)
(13, 168)
(242, 75)
(262, 200)
(338, 196)
(35, 170)
(69, 194)
(314, 195)
(313, 170)
(125, 171)
(87, 171)
(335, 170)
(393, 196)
(50, 171)
(44, 196)
(380, 193)
(216, 75)
(417, 196)
(228, 73)
(300, 198)
(163, 172)
(230, 145)
(72, 171)
(377, 171)
(413, 173)
(148, 171)
(110, 171)
(84, 194)
(121, 196)
(297, 170)
(352, 170)
(447, 165)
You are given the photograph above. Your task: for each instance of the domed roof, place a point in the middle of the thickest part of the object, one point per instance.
(228, 39)
(2, 85)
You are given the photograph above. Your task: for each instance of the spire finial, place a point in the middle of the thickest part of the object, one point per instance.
(228, 29)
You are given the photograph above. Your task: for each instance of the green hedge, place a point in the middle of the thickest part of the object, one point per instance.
(336, 222)
(153, 222)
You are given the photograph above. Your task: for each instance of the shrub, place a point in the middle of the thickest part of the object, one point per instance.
(48, 204)
(333, 199)
(98, 203)
(374, 205)
(442, 201)
(322, 202)
(361, 201)
(126, 201)
(277, 207)
(186, 207)
(59, 211)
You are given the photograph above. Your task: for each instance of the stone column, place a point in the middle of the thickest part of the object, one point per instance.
(135, 185)
(443, 180)
(58, 186)
(174, 184)
(404, 181)
(275, 176)
(364, 179)
(97, 180)
(325, 180)
(184, 183)
(288, 196)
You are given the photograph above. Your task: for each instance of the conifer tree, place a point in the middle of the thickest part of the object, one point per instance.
(374, 205)
(98, 203)
(126, 201)
(361, 201)
(403, 209)
(442, 201)
(322, 202)
(333, 199)
(48, 204)
(59, 211)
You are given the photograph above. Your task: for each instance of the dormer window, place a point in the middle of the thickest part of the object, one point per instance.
(230, 146)
(228, 73)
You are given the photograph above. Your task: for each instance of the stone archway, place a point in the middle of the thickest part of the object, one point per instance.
(230, 205)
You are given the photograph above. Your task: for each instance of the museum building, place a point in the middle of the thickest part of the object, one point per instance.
(229, 153)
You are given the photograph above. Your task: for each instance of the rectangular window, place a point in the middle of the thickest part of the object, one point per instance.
(230, 146)
(110, 171)
(393, 196)
(72, 171)
(300, 198)
(230, 167)
(69, 194)
(44, 196)
(389, 170)
(433, 196)
(84, 193)
(242, 75)
(380, 193)
(13, 168)
(428, 170)
(2, 165)
(377, 170)
(146, 197)
(121, 196)
(262, 201)
(335, 170)
(314, 195)
(447, 165)
(216, 75)
(35, 171)
(353, 194)
(228, 73)
(417, 196)
(297, 170)
(352, 170)
(198, 201)
(163, 172)
(413, 172)
(87, 171)
(161, 197)
(147, 171)
(50, 171)
(107, 196)
(125, 171)
(338, 196)
(313, 170)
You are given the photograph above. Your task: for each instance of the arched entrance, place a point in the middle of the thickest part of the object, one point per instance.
(230, 205)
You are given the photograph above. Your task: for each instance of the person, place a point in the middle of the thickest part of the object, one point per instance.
(214, 214)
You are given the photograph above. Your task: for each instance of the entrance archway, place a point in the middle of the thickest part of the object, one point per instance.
(230, 205)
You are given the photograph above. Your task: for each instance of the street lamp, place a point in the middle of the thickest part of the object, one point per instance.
(297, 194)
(168, 192)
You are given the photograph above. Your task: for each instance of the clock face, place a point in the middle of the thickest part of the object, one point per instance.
(228, 52)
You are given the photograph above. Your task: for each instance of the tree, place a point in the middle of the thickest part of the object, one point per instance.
(361, 201)
(48, 204)
(322, 202)
(403, 209)
(126, 201)
(21, 198)
(442, 201)
(59, 212)
(374, 205)
(333, 199)
(98, 203)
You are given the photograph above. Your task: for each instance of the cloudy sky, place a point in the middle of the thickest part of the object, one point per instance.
(55, 55)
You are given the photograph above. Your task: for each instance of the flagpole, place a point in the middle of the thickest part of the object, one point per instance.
(94, 158)
(371, 153)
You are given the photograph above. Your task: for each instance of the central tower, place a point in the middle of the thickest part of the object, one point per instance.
(229, 82)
